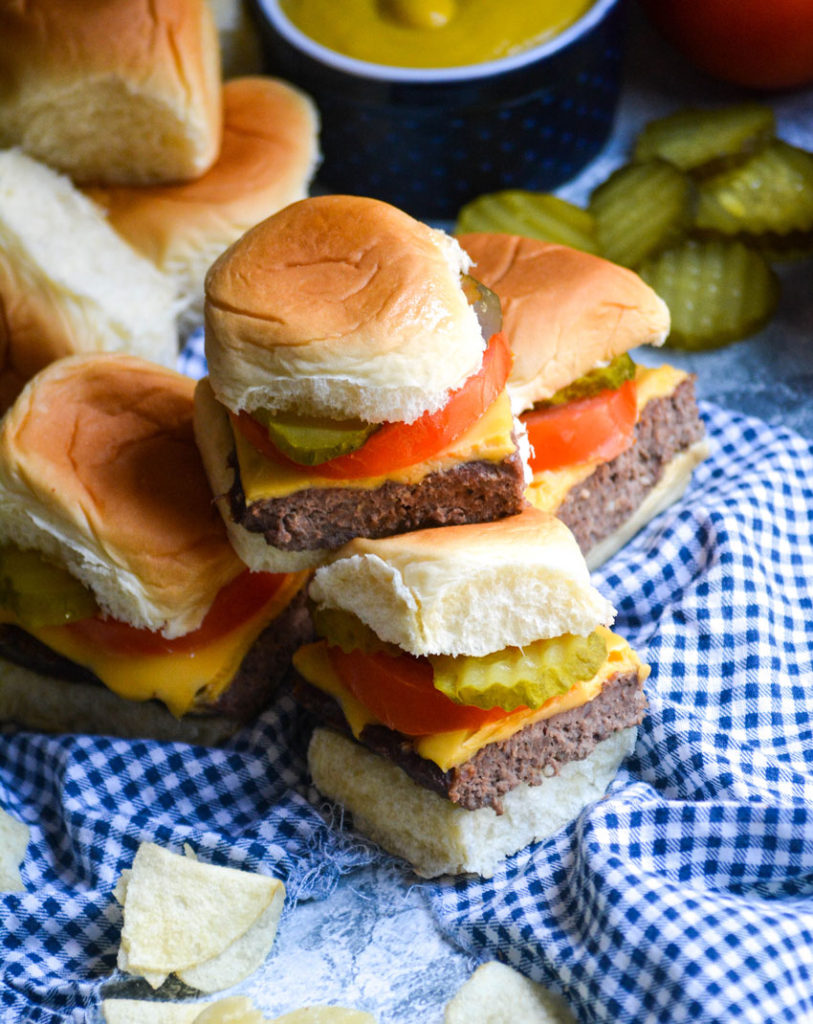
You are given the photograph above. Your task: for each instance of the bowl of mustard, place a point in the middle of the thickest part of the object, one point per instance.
(428, 103)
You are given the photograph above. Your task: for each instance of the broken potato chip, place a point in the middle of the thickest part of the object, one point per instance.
(498, 994)
(210, 926)
(13, 843)
(233, 1010)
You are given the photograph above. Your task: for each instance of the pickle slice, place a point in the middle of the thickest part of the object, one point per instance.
(40, 593)
(705, 140)
(517, 677)
(641, 209)
(533, 214)
(345, 630)
(717, 291)
(771, 192)
(603, 378)
(312, 440)
(486, 305)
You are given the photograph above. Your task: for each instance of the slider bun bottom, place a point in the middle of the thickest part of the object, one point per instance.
(46, 704)
(436, 836)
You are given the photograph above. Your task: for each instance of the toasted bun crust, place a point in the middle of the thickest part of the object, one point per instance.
(564, 311)
(467, 589)
(340, 306)
(68, 283)
(100, 471)
(266, 161)
(112, 90)
(436, 836)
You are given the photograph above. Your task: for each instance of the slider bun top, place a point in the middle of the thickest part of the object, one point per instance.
(114, 90)
(467, 589)
(340, 306)
(99, 470)
(266, 161)
(564, 311)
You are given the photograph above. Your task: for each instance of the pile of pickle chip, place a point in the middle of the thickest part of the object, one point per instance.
(708, 202)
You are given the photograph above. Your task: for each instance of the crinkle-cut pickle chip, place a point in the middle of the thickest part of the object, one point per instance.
(717, 291)
(601, 378)
(40, 593)
(771, 192)
(641, 209)
(520, 676)
(532, 214)
(701, 140)
(312, 440)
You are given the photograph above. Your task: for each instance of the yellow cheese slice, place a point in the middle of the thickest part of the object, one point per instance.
(183, 679)
(550, 487)
(448, 749)
(489, 440)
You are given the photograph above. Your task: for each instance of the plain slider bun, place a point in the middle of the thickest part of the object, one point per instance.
(100, 472)
(438, 837)
(340, 306)
(564, 311)
(117, 91)
(68, 283)
(266, 161)
(471, 589)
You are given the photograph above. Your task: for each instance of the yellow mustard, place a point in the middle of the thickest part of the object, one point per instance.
(432, 33)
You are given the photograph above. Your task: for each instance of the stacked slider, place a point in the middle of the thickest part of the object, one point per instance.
(123, 608)
(613, 444)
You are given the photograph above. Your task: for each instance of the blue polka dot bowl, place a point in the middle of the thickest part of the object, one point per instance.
(429, 140)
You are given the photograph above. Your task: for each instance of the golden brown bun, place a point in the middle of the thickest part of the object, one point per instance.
(564, 311)
(466, 589)
(340, 306)
(112, 90)
(100, 471)
(267, 159)
(68, 283)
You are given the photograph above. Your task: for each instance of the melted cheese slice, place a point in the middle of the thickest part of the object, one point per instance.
(550, 487)
(488, 440)
(181, 680)
(448, 749)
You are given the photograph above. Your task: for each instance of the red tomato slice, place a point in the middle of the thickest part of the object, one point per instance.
(232, 606)
(587, 429)
(397, 445)
(400, 693)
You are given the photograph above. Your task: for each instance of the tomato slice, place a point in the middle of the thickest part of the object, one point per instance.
(400, 693)
(397, 445)
(597, 428)
(233, 605)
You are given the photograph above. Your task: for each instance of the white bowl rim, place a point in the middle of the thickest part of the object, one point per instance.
(431, 76)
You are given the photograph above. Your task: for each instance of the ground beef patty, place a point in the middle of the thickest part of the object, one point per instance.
(531, 754)
(315, 517)
(250, 691)
(604, 501)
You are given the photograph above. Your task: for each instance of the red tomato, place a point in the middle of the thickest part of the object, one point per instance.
(587, 429)
(762, 44)
(232, 606)
(400, 693)
(397, 445)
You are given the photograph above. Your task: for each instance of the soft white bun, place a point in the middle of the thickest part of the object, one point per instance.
(436, 836)
(267, 159)
(497, 994)
(99, 470)
(467, 589)
(68, 283)
(340, 306)
(564, 311)
(215, 442)
(113, 91)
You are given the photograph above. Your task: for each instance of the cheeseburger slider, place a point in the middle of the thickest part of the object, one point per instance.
(116, 576)
(471, 696)
(356, 384)
(613, 444)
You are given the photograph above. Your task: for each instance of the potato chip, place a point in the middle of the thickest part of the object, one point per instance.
(210, 925)
(143, 1011)
(325, 1015)
(13, 843)
(236, 1010)
(497, 994)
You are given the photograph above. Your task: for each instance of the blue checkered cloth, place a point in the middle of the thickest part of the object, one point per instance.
(687, 894)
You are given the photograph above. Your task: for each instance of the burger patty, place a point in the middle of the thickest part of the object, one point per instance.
(535, 752)
(249, 692)
(608, 497)
(315, 517)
